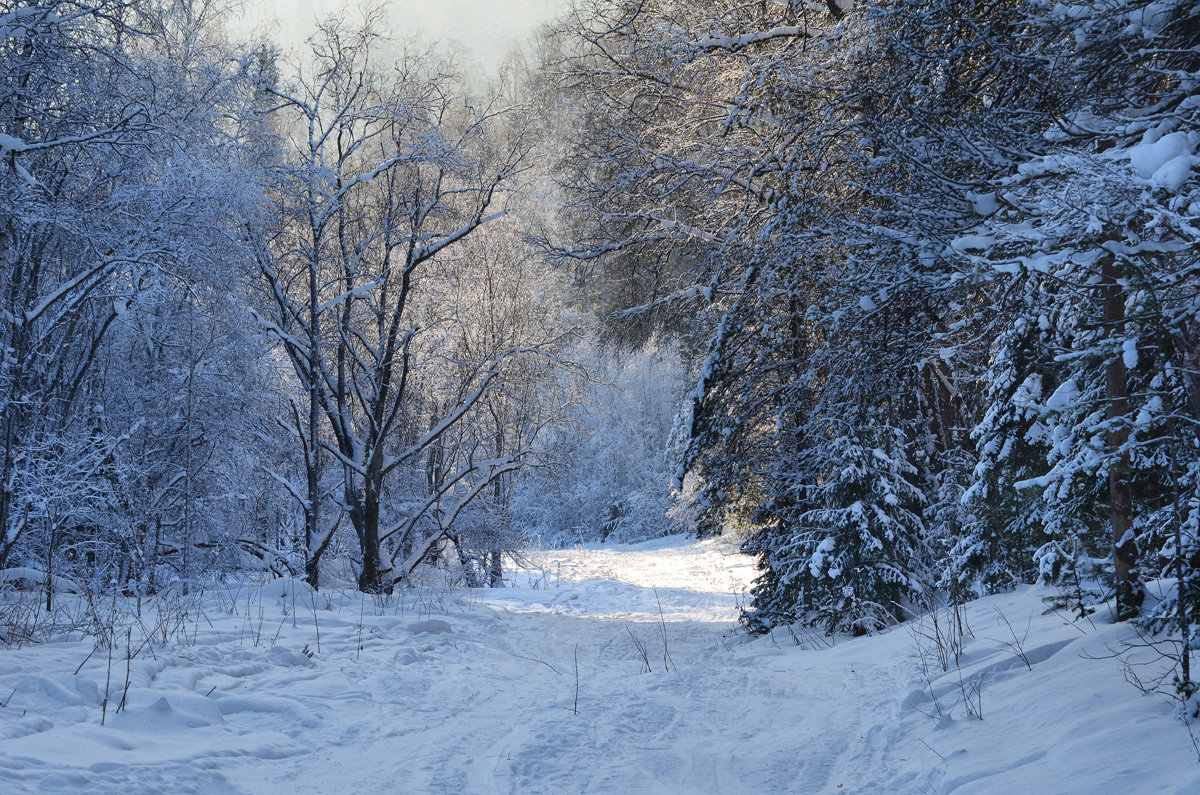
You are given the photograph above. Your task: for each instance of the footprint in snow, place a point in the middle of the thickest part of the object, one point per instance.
(430, 626)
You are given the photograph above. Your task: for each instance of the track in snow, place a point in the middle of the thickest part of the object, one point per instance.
(491, 705)
(449, 690)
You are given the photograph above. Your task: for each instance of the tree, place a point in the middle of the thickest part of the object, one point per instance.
(735, 142)
(1091, 227)
(605, 473)
(853, 560)
(109, 156)
(391, 171)
(850, 190)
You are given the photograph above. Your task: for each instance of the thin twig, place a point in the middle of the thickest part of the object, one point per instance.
(576, 708)
(539, 660)
(668, 663)
(930, 747)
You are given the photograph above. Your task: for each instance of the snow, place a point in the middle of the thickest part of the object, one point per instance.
(26, 176)
(984, 204)
(23, 577)
(1028, 392)
(1167, 161)
(1129, 353)
(972, 243)
(1064, 397)
(10, 143)
(1148, 412)
(740, 42)
(274, 689)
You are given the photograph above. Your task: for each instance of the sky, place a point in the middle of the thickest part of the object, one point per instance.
(486, 28)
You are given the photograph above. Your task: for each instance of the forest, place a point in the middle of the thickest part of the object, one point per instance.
(901, 296)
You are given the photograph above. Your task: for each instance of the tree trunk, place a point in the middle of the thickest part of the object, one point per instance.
(495, 570)
(364, 513)
(312, 456)
(1130, 591)
(468, 565)
(7, 465)
(50, 566)
(154, 554)
(312, 572)
(312, 554)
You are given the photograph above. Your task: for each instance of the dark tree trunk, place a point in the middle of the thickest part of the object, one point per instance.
(50, 568)
(312, 455)
(364, 513)
(495, 570)
(8, 537)
(1130, 591)
(312, 571)
(312, 558)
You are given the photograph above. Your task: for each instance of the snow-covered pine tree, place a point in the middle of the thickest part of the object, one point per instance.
(1097, 228)
(854, 561)
(944, 107)
(997, 550)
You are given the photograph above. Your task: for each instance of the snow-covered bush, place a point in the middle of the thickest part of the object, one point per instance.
(607, 477)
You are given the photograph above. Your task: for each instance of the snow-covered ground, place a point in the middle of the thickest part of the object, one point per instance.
(543, 687)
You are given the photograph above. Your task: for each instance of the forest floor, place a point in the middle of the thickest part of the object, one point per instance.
(603, 669)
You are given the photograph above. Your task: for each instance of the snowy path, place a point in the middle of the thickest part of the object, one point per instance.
(490, 706)
(475, 691)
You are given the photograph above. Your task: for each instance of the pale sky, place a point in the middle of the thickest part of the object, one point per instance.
(488, 28)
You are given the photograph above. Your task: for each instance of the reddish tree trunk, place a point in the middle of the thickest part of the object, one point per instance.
(1130, 591)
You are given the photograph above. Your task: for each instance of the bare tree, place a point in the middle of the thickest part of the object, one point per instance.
(389, 171)
(108, 154)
